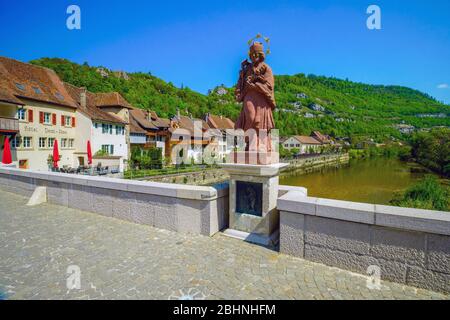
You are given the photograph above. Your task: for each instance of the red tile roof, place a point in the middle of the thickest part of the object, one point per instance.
(141, 117)
(91, 110)
(219, 122)
(111, 99)
(26, 81)
(307, 140)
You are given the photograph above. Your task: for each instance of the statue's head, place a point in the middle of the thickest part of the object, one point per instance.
(256, 52)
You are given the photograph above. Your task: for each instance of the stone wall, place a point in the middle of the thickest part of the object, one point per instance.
(204, 177)
(312, 163)
(410, 246)
(181, 208)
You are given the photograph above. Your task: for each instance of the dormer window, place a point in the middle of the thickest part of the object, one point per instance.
(59, 95)
(37, 90)
(20, 86)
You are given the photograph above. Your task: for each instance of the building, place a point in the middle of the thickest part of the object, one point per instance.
(304, 144)
(190, 135)
(219, 126)
(148, 130)
(44, 112)
(106, 132)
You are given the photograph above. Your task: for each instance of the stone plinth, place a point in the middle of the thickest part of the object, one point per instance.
(253, 199)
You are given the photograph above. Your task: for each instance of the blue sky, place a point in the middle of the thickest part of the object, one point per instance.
(200, 43)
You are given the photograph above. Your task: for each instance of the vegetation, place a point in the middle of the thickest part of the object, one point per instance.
(142, 173)
(146, 158)
(427, 194)
(432, 150)
(350, 109)
(389, 151)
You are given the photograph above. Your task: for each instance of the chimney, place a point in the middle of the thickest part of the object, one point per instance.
(83, 97)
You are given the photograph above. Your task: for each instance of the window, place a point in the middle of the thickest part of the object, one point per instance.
(37, 90)
(47, 118)
(297, 145)
(71, 142)
(42, 142)
(59, 95)
(22, 114)
(15, 143)
(67, 121)
(95, 125)
(20, 86)
(108, 148)
(27, 142)
(107, 128)
(63, 143)
(51, 141)
(120, 130)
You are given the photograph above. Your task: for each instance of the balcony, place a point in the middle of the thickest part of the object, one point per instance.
(9, 125)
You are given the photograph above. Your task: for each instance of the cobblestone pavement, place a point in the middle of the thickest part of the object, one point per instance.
(121, 260)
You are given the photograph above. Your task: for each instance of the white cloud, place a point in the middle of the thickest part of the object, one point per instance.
(443, 86)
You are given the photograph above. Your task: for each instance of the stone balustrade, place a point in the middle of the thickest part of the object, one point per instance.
(182, 208)
(409, 246)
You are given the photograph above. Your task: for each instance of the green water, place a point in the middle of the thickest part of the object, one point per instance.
(373, 180)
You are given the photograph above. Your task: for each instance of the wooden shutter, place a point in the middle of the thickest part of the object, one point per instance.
(54, 119)
(30, 115)
(73, 122)
(41, 117)
(62, 121)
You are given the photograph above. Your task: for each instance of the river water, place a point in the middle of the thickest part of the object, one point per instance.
(372, 180)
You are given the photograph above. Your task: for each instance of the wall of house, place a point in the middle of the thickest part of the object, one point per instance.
(84, 133)
(35, 156)
(293, 143)
(6, 111)
(406, 245)
(188, 209)
(117, 140)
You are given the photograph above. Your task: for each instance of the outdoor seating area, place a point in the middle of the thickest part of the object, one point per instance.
(98, 170)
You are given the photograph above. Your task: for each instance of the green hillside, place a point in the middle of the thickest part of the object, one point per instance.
(305, 103)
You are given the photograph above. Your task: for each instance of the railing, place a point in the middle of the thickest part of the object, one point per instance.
(9, 124)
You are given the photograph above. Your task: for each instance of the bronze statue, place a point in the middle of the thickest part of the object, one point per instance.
(255, 89)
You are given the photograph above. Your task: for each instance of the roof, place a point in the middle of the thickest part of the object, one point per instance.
(111, 99)
(141, 117)
(307, 140)
(321, 137)
(135, 127)
(190, 124)
(219, 122)
(91, 109)
(26, 81)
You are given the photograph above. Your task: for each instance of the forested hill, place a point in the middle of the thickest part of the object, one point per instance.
(305, 103)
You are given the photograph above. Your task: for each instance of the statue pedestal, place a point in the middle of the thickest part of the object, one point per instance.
(253, 199)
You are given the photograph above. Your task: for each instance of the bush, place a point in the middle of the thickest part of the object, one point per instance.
(428, 194)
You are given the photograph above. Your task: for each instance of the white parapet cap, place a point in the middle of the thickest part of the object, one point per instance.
(419, 220)
(156, 188)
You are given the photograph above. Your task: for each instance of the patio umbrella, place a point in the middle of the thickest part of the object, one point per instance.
(7, 159)
(55, 154)
(89, 152)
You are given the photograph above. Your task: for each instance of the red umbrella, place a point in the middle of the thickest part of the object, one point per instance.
(89, 152)
(55, 154)
(7, 159)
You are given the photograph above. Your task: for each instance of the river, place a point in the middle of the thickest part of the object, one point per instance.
(372, 180)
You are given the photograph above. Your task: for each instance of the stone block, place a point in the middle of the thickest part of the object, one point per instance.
(58, 193)
(297, 202)
(413, 219)
(189, 215)
(103, 201)
(389, 270)
(107, 183)
(156, 188)
(80, 197)
(346, 210)
(438, 253)
(428, 279)
(123, 201)
(337, 234)
(398, 245)
(292, 226)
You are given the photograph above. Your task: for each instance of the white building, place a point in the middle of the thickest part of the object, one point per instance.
(304, 144)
